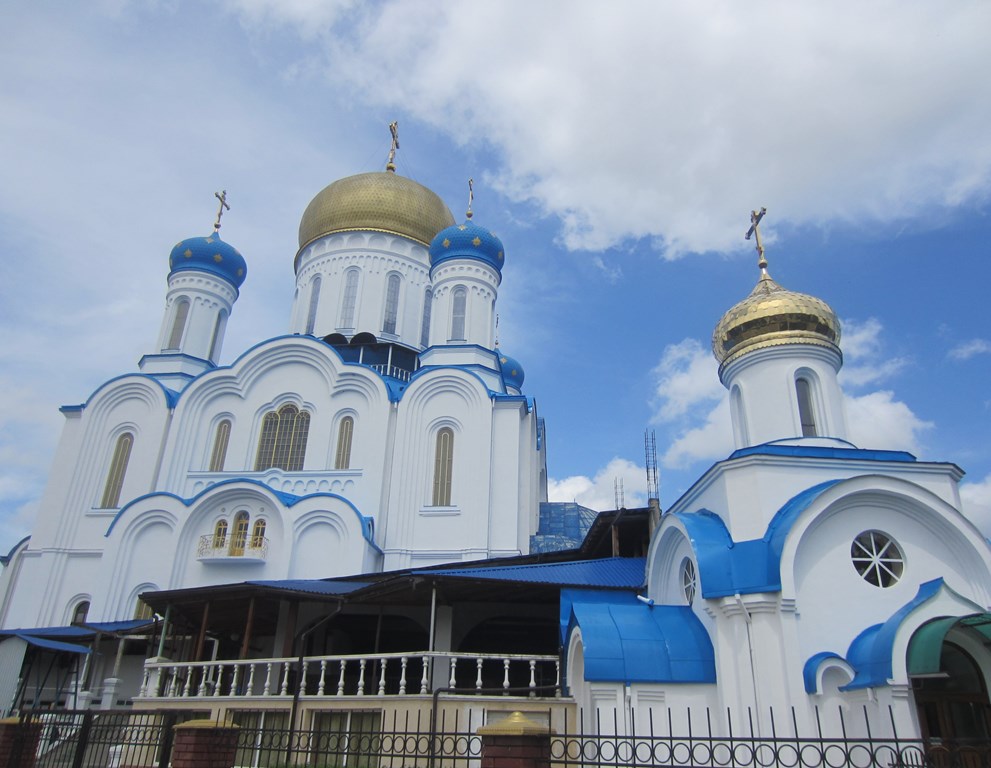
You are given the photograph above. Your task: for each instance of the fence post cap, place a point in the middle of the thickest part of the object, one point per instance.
(517, 724)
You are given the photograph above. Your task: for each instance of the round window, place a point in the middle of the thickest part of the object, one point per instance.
(877, 559)
(688, 580)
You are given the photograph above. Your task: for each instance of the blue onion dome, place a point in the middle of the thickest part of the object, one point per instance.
(209, 254)
(512, 371)
(467, 241)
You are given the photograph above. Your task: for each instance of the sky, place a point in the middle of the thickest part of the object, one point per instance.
(617, 150)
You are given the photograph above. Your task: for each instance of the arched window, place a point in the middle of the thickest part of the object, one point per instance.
(178, 323)
(425, 328)
(391, 304)
(350, 298)
(458, 305)
(311, 314)
(344, 433)
(220, 440)
(220, 534)
(118, 466)
(806, 412)
(258, 535)
(443, 464)
(240, 536)
(218, 332)
(80, 612)
(282, 443)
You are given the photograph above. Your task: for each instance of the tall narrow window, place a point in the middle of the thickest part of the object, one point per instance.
(239, 538)
(282, 442)
(391, 304)
(350, 298)
(344, 433)
(443, 464)
(425, 328)
(178, 323)
(80, 612)
(311, 313)
(220, 440)
(220, 534)
(460, 299)
(806, 413)
(258, 535)
(218, 334)
(118, 466)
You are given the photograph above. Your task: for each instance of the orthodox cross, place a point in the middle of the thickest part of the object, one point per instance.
(222, 197)
(471, 196)
(394, 130)
(755, 218)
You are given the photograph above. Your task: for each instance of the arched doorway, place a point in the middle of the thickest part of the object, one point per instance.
(951, 695)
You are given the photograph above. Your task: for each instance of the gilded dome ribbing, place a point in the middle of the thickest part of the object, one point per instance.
(378, 202)
(770, 316)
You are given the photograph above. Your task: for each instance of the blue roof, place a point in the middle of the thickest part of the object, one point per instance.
(313, 586)
(608, 573)
(562, 525)
(728, 567)
(466, 241)
(54, 645)
(626, 641)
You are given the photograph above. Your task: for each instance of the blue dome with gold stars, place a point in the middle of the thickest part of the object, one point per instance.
(467, 241)
(209, 254)
(512, 371)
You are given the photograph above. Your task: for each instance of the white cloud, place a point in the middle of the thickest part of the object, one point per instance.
(687, 377)
(843, 111)
(863, 354)
(713, 439)
(599, 492)
(968, 349)
(877, 420)
(976, 501)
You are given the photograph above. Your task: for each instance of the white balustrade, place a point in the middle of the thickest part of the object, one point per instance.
(264, 678)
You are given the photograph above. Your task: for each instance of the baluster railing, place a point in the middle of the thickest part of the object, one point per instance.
(267, 691)
(505, 676)
(323, 677)
(361, 677)
(340, 683)
(478, 673)
(454, 665)
(284, 688)
(425, 679)
(250, 687)
(402, 676)
(382, 663)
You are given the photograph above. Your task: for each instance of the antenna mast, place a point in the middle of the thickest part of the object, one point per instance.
(653, 486)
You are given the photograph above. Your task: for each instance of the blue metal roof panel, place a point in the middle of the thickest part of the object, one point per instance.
(612, 572)
(313, 586)
(54, 645)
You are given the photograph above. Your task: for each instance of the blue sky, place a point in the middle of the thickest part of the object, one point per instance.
(617, 151)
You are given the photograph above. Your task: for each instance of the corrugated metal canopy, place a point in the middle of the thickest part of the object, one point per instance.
(611, 572)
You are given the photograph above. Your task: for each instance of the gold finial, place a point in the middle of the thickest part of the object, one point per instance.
(755, 218)
(222, 197)
(471, 196)
(394, 130)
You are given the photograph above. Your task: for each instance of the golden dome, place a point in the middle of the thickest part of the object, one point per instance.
(379, 202)
(772, 315)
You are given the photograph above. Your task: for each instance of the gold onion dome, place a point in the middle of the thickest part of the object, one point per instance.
(378, 202)
(771, 316)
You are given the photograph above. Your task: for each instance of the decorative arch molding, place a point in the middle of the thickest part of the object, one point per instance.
(425, 387)
(132, 387)
(669, 548)
(821, 664)
(73, 603)
(328, 517)
(902, 497)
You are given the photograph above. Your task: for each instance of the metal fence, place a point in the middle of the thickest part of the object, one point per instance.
(369, 739)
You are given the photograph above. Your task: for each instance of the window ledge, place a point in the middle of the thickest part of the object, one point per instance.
(439, 511)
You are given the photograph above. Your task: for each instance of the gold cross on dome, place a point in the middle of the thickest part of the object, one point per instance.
(755, 218)
(222, 197)
(471, 196)
(394, 130)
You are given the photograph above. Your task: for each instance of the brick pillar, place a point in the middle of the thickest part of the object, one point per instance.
(204, 744)
(12, 731)
(516, 742)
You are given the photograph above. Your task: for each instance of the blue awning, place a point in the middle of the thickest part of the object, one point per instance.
(53, 645)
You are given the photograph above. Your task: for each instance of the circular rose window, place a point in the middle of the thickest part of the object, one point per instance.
(877, 558)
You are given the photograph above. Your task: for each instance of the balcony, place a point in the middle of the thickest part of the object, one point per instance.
(381, 675)
(254, 550)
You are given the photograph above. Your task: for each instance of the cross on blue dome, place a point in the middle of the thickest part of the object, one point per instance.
(467, 241)
(209, 254)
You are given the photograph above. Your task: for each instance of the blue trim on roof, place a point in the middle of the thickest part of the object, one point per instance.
(624, 640)
(54, 645)
(821, 452)
(70, 631)
(287, 499)
(870, 652)
(171, 396)
(110, 627)
(811, 669)
(6, 558)
(728, 567)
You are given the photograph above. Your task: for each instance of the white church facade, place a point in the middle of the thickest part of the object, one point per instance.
(386, 433)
